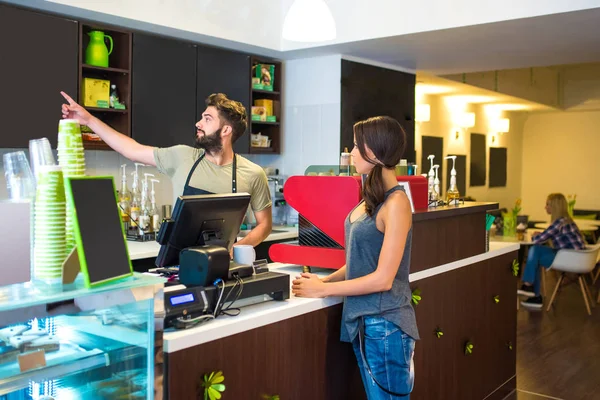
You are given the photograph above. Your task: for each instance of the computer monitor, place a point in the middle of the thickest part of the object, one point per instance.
(211, 219)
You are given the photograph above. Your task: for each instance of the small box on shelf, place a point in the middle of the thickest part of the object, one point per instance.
(95, 92)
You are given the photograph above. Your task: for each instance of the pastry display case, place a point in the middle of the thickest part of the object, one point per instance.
(68, 342)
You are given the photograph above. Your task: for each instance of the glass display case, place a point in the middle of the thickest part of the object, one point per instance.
(69, 342)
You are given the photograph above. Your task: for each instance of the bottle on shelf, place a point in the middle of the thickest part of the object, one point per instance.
(124, 199)
(145, 216)
(136, 198)
(154, 213)
(452, 194)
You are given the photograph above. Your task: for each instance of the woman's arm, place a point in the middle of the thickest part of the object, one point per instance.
(397, 219)
(337, 276)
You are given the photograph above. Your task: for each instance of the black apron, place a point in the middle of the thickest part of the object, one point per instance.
(192, 191)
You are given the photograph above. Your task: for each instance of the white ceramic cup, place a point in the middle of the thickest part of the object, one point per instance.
(244, 254)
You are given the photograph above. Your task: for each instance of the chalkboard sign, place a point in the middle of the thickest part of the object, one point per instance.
(99, 234)
(478, 160)
(498, 160)
(461, 173)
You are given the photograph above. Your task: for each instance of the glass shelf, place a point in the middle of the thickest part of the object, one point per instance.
(32, 294)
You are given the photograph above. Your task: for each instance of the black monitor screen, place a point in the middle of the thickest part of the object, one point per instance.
(203, 219)
(101, 234)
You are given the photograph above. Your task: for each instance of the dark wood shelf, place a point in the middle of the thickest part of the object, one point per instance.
(264, 123)
(261, 150)
(273, 92)
(104, 69)
(95, 145)
(110, 110)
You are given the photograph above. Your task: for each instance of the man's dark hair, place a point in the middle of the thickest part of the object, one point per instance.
(230, 111)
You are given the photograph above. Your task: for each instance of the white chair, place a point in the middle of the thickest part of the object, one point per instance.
(578, 262)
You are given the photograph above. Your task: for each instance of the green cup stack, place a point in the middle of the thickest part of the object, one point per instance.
(50, 247)
(72, 161)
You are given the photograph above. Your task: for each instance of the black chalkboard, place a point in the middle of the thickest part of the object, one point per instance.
(498, 160)
(478, 160)
(432, 145)
(461, 174)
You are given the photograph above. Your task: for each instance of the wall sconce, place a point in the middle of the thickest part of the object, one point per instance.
(422, 113)
(466, 120)
(501, 125)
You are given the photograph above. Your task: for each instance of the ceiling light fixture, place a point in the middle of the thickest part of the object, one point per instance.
(309, 21)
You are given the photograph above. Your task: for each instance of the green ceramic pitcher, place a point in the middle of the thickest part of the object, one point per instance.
(96, 53)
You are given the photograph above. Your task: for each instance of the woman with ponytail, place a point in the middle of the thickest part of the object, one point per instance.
(378, 318)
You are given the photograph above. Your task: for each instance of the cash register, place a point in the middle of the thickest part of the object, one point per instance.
(203, 282)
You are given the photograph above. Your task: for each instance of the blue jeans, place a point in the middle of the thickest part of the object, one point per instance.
(538, 256)
(388, 352)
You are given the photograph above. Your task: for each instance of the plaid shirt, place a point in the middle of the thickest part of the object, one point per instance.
(564, 235)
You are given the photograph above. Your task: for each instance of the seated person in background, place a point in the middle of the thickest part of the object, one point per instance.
(563, 233)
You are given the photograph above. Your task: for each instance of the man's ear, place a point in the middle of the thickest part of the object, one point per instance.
(226, 131)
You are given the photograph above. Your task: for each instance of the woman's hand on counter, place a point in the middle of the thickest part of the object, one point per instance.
(309, 285)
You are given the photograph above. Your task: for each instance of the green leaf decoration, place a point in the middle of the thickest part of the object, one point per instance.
(515, 268)
(416, 296)
(213, 385)
(509, 345)
(469, 348)
(439, 333)
(496, 299)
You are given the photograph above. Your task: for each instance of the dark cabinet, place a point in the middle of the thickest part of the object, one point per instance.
(39, 60)
(369, 91)
(228, 72)
(163, 91)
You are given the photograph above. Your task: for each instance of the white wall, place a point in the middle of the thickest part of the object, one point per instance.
(106, 163)
(311, 120)
(442, 125)
(561, 154)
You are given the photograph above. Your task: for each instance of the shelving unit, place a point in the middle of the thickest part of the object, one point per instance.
(118, 72)
(270, 129)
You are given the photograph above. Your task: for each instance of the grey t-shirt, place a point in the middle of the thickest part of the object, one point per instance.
(177, 161)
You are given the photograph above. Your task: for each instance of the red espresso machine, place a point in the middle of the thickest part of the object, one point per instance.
(323, 203)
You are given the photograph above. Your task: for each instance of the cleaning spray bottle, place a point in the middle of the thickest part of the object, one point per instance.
(136, 198)
(124, 199)
(452, 195)
(430, 181)
(436, 182)
(144, 219)
(154, 214)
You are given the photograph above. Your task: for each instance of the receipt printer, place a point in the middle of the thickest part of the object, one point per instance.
(202, 265)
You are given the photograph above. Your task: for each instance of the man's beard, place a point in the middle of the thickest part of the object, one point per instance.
(210, 143)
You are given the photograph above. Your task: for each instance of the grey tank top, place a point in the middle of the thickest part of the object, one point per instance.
(363, 245)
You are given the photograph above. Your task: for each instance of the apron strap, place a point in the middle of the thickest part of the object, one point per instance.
(233, 173)
(187, 181)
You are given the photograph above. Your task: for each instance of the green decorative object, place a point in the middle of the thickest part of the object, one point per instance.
(96, 52)
(509, 345)
(571, 200)
(439, 333)
(416, 296)
(213, 385)
(496, 299)
(469, 348)
(515, 267)
(510, 220)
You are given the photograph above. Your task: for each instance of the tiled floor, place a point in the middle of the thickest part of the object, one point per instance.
(558, 352)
